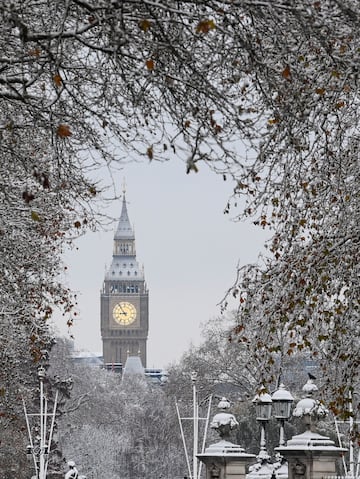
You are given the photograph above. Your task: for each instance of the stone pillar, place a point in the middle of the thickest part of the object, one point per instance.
(225, 460)
(310, 455)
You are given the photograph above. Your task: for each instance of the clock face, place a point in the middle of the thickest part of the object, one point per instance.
(124, 313)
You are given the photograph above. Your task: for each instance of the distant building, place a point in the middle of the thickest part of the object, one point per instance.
(114, 367)
(124, 301)
(87, 357)
(134, 367)
(156, 375)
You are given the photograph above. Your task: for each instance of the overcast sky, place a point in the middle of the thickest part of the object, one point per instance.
(188, 247)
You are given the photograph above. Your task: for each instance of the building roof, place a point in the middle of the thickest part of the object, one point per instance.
(87, 357)
(124, 229)
(133, 366)
(124, 268)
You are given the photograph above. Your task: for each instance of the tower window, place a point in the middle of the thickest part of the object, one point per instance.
(113, 273)
(128, 273)
(135, 273)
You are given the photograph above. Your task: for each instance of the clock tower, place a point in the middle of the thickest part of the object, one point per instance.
(124, 299)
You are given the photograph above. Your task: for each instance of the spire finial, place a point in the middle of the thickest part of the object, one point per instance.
(124, 186)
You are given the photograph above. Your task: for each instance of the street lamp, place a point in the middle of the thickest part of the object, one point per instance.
(281, 409)
(263, 468)
(39, 446)
(195, 473)
(279, 406)
(263, 403)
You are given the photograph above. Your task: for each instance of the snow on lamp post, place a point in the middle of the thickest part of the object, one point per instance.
(263, 403)
(279, 406)
(281, 409)
(263, 469)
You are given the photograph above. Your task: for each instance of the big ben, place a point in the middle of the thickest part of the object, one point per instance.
(124, 299)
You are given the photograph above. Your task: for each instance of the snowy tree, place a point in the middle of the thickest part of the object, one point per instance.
(200, 77)
(223, 366)
(126, 428)
(265, 93)
(227, 366)
(40, 213)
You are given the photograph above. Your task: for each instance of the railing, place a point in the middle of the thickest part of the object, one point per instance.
(341, 477)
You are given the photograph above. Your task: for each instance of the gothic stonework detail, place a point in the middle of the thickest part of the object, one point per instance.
(124, 299)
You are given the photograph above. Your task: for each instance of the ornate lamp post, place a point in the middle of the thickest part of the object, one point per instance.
(196, 425)
(195, 472)
(39, 447)
(263, 468)
(281, 409)
(40, 435)
(263, 403)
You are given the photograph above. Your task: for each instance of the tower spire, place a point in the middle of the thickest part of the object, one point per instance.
(124, 229)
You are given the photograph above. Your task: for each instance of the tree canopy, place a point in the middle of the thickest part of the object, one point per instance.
(266, 93)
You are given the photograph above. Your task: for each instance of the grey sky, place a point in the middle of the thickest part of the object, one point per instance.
(189, 249)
